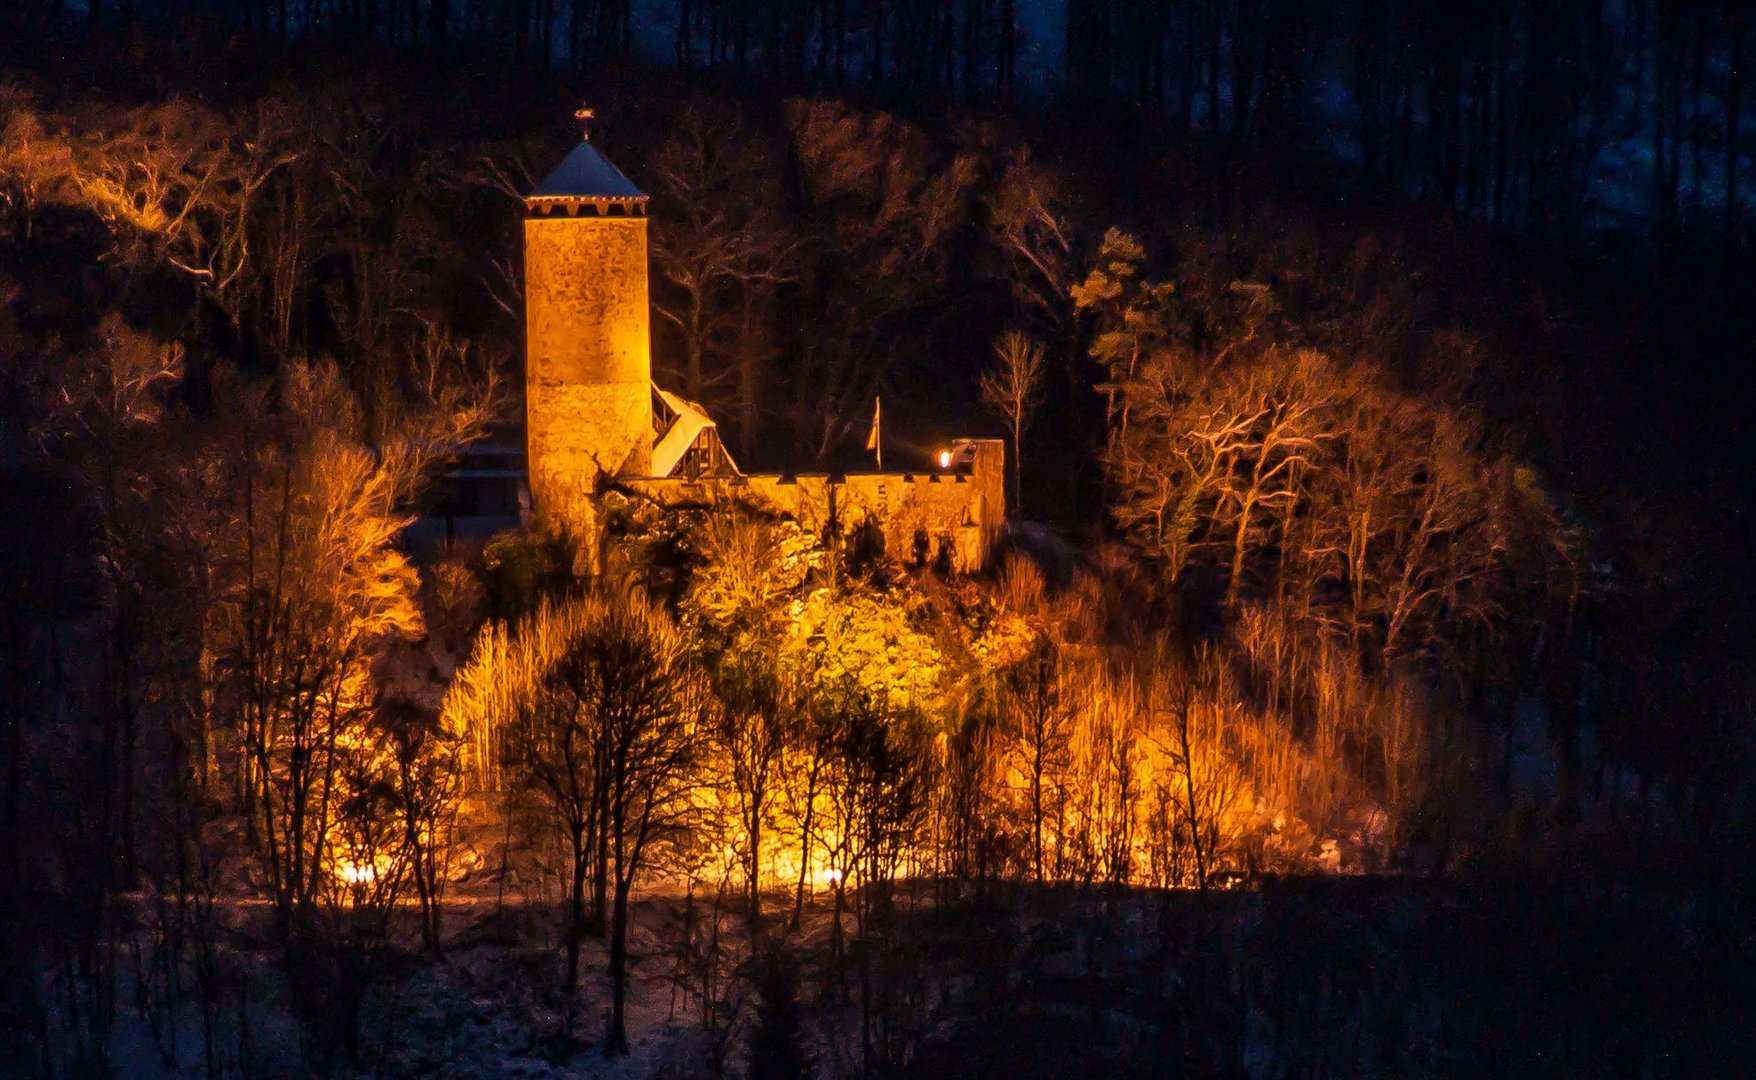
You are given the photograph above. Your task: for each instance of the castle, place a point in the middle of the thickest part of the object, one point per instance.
(595, 420)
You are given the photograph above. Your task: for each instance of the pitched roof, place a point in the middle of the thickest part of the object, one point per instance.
(691, 420)
(587, 174)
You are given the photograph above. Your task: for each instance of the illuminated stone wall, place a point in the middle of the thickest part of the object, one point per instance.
(588, 398)
(954, 515)
(988, 472)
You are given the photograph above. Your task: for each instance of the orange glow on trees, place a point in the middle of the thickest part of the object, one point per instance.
(833, 759)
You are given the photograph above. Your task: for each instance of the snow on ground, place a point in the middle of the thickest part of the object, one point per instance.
(483, 1012)
(488, 1009)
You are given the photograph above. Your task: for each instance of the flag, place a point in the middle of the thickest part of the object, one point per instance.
(872, 440)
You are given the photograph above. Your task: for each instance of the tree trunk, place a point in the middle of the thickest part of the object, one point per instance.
(1017, 463)
(575, 925)
(1239, 541)
(601, 874)
(755, 882)
(616, 1038)
(1036, 812)
(805, 846)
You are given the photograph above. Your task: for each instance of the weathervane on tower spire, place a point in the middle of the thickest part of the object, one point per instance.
(585, 115)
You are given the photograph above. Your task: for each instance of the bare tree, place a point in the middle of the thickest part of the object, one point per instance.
(177, 187)
(811, 767)
(611, 744)
(1205, 462)
(559, 747)
(1038, 718)
(653, 709)
(736, 603)
(426, 784)
(1013, 389)
(314, 585)
(756, 726)
(36, 163)
(721, 247)
(881, 208)
(1027, 219)
(1183, 745)
(291, 221)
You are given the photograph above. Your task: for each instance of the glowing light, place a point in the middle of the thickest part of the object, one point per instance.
(356, 873)
(945, 459)
(830, 876)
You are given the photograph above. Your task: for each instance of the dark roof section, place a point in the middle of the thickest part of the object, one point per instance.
(587, 175)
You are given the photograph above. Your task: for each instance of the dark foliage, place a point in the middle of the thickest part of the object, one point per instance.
(777, 1049)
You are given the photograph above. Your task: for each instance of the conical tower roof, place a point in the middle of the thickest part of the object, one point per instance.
(587, 174)
(586, 182)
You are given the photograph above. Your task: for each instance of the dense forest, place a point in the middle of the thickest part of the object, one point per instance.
(1551, 118)
(1364, 689)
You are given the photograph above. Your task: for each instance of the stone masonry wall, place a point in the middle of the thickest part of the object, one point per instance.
(958, 515)
(588, 358)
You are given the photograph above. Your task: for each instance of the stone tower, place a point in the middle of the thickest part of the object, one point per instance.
(588, 344)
